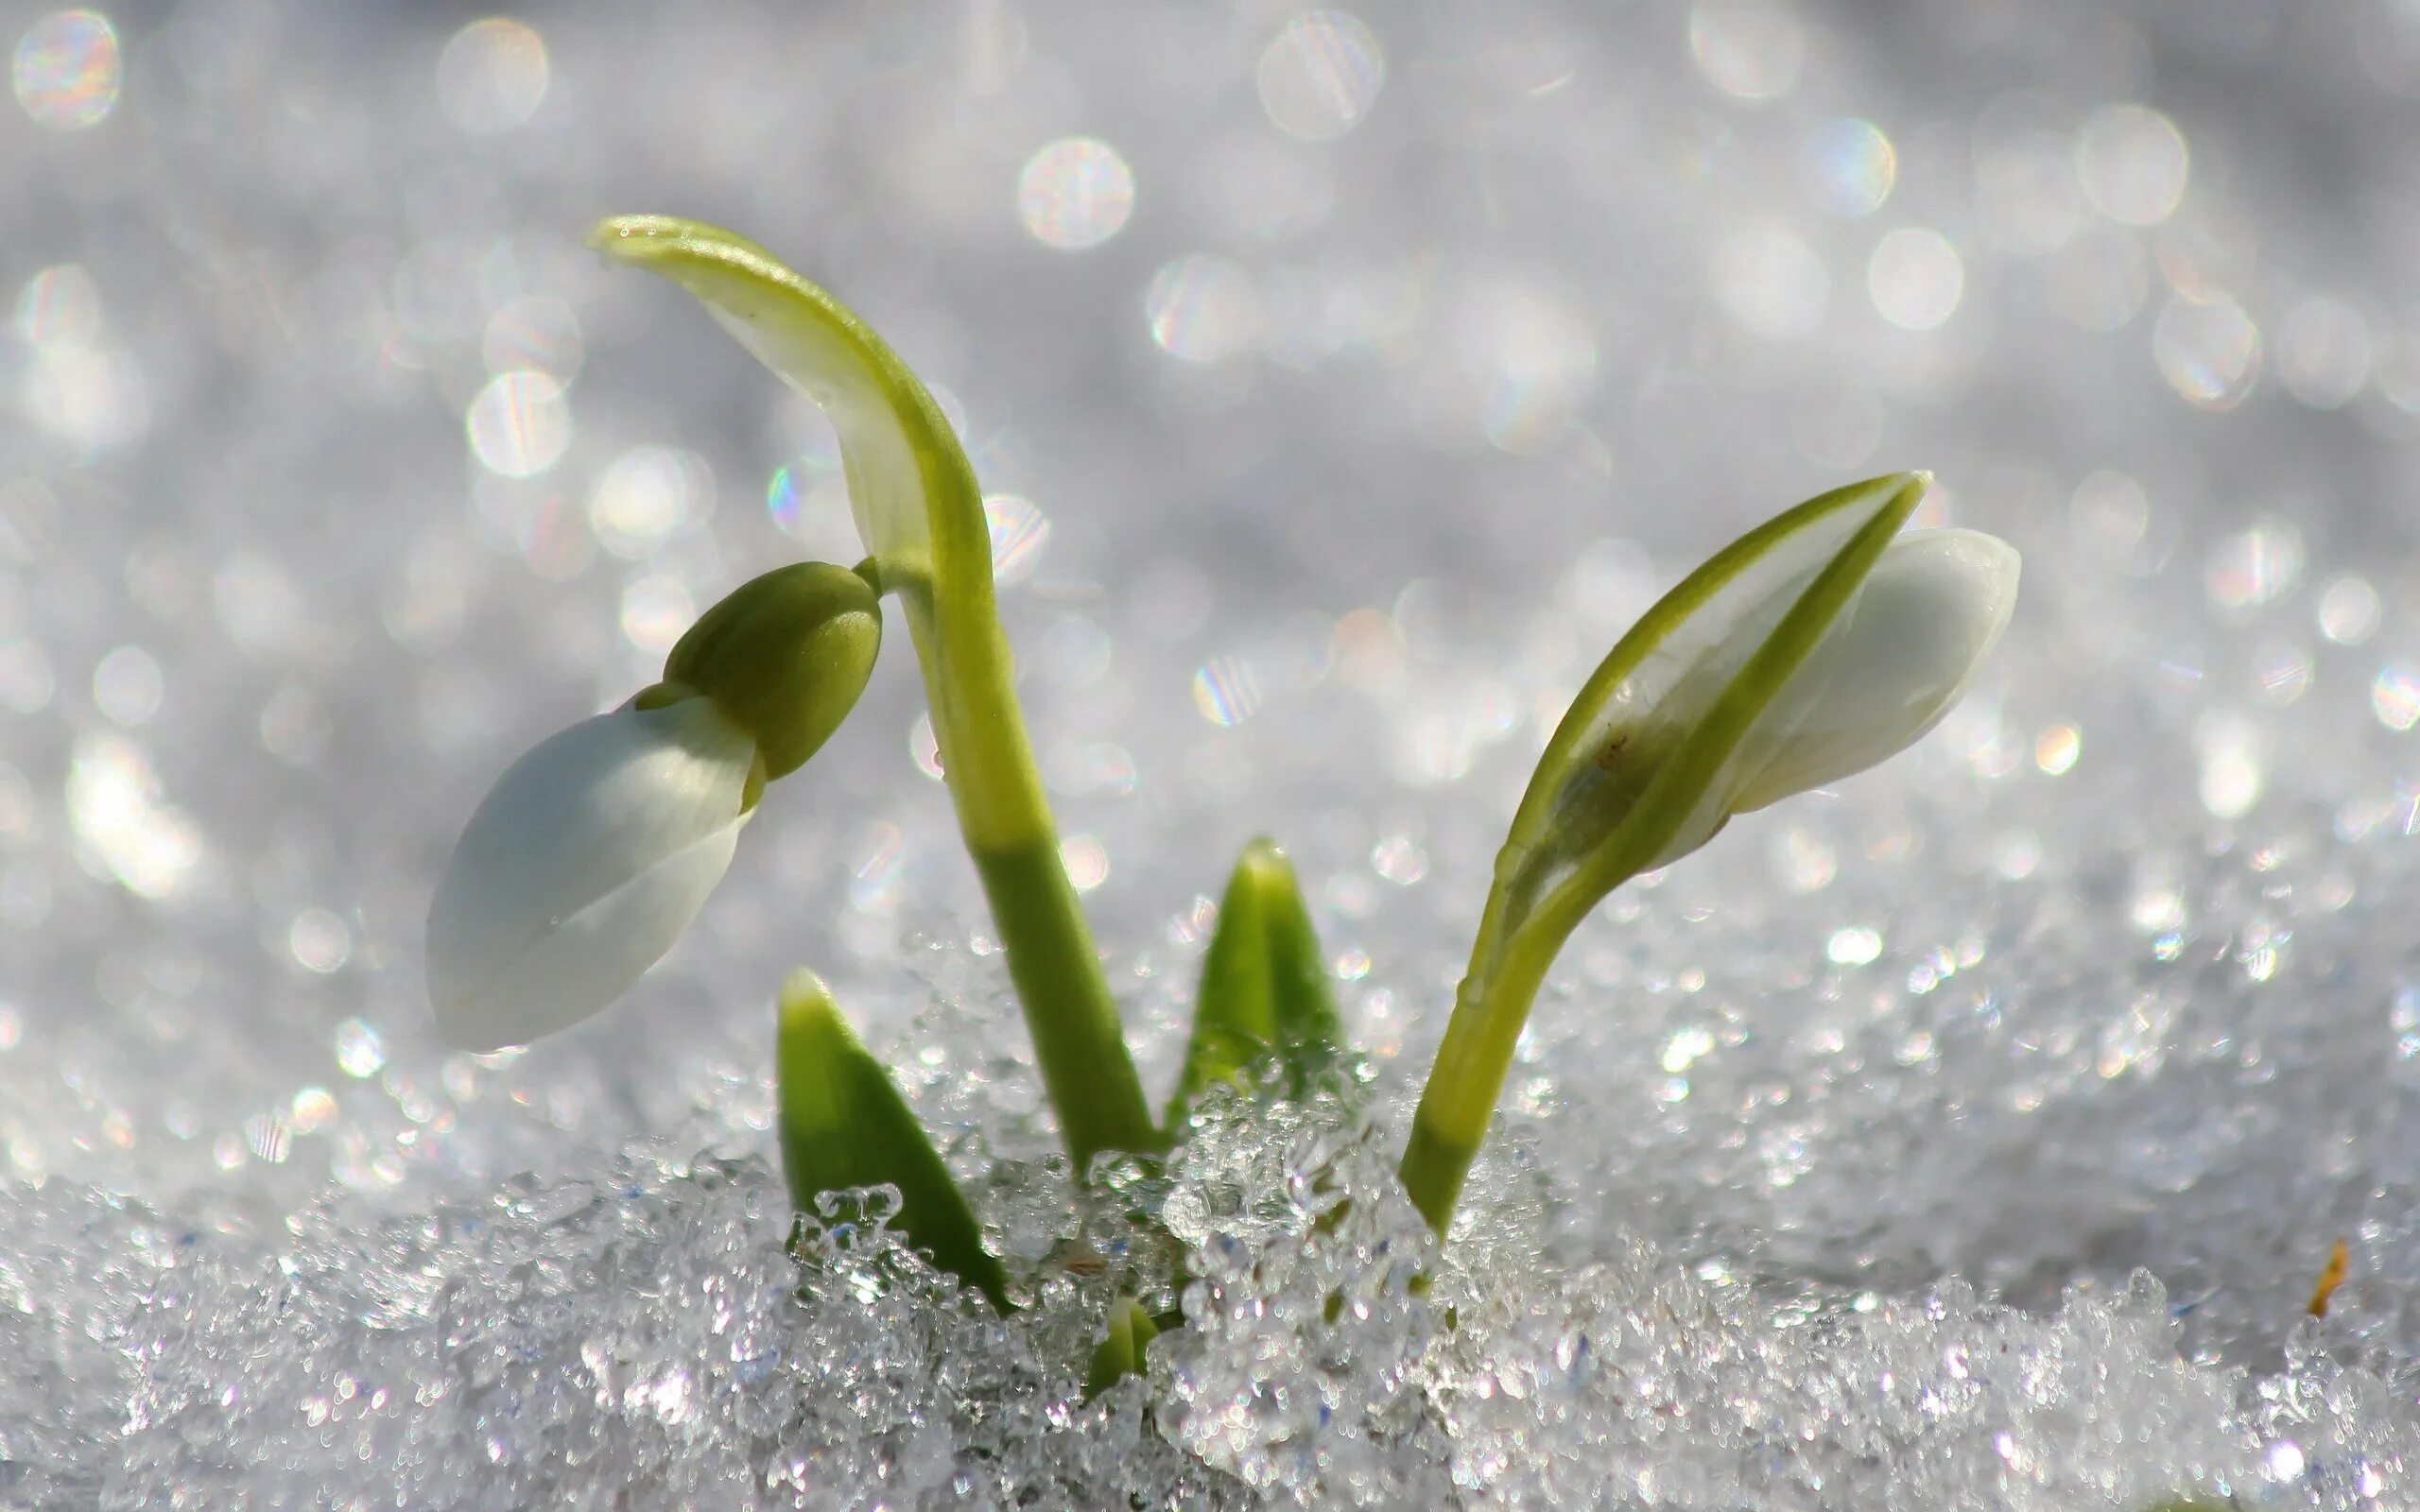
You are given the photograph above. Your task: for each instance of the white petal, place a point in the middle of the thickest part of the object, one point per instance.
(586, 815)
(586, 961)
(1898, 661)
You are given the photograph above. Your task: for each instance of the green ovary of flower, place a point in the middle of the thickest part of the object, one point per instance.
(785, 656)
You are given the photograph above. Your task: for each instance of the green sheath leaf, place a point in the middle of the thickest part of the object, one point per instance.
(844, 1125)
(1120, 1354)
(1264, 985)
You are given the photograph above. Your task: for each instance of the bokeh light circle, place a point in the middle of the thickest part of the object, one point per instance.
(1320, 75)
(2133, 164)
(2209, 354)
(1850, 167)
(68, 70)
(520, 423)
(1076, 192)
(493, 75)
(1916, 278)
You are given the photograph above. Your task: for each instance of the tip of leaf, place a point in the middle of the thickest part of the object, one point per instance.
(1120, 1352)
(644, 241)
(807, 1003)
(635, 236)
(626, 236)
(1263, 862)
(1127, 1316)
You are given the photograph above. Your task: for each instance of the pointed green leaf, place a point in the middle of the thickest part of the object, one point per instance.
(844, 1125)
(1120, 1354)
(1264, 984)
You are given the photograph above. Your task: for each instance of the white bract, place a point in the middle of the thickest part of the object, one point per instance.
(582, 866)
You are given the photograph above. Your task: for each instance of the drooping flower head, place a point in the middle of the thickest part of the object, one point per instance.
(582, 866)
(593, 852)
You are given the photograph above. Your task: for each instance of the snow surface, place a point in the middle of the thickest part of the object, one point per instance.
(1969, 1136)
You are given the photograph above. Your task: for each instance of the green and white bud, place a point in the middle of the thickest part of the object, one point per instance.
(593, 852)
(1895, 660)
(1812, 647)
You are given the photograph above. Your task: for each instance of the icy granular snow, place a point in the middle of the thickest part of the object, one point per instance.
(1342, 382)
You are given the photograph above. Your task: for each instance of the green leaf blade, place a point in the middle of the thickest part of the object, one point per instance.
(1265, 987)
(1120, 1353)
(844, 1125)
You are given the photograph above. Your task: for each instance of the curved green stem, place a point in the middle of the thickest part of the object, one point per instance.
(1460, 1100)
(921, 512)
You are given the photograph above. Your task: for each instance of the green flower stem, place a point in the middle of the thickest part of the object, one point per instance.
(1077, 1041)
(1458, 1101)
(919, 511)
(988, 763)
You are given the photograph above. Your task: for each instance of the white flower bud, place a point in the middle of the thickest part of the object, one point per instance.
(1899, 661)
(582, 866)
(1882, 675)
(1815, 646)
(1812, 647)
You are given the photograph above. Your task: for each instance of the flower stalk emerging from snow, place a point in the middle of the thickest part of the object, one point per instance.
(1811, 648)
(594, 850)
(919, 513)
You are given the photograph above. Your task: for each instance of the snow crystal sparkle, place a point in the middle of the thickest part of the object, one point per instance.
(1826, 1161)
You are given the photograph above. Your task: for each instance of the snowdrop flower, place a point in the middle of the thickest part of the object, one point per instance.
(595, 851)
(1905, 654)
(1818, 644)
